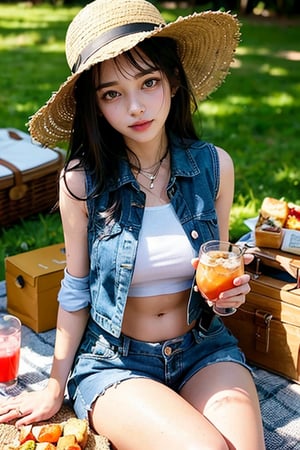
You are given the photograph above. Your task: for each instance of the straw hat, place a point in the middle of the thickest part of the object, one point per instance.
(106, 28)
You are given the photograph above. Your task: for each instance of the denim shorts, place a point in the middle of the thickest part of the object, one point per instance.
(104, 361)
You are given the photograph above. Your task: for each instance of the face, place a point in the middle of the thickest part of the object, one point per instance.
(135, 102)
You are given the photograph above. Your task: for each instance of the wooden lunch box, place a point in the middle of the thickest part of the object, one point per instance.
(32, 283)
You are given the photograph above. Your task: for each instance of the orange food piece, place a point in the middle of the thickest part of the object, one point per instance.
(50, 433)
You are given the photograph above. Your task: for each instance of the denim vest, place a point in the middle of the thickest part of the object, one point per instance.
(192, 189)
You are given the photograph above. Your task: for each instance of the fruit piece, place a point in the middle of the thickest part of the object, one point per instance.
(68, 443)
(36, 431)
(28, 445)
(25, 434)
(45, 446)
(79, 428)
(50, 433)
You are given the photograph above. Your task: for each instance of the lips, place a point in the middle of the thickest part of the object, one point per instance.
(141, 126)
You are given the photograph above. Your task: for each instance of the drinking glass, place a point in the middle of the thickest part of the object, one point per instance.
(219, 263)
(10, 344)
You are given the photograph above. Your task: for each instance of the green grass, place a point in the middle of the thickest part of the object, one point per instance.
(254, 115)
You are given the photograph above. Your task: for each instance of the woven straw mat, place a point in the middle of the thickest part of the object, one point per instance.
(9, 433)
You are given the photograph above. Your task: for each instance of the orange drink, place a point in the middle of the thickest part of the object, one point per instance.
(219, 264)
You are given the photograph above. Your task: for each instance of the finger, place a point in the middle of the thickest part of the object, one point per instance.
(25, 420)
(32, 416)
(195, 262)
(10, 415)
(11, 409)
(6, 408)
(243, 289)
(234, 302)
(248, 258)
(243, 279)
(18, 416)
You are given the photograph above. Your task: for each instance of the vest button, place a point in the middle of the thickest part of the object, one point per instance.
(194, 234)
(168, 351)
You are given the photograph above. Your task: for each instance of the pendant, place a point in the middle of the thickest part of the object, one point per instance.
(152, 178)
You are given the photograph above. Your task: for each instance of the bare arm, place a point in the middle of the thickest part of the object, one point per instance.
(235, 296)
(70, 325)
(41, 405)
(70, 328)
(225, 195)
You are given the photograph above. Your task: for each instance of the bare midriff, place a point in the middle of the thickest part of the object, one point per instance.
(156, 318)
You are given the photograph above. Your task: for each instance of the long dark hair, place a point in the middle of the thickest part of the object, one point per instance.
(97, 145)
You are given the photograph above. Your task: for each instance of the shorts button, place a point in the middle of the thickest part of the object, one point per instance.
(168, 351)
(194, 234)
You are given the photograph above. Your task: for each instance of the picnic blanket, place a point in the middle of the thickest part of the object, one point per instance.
(279, 398)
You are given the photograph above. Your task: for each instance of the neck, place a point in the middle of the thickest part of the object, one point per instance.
(148, 155)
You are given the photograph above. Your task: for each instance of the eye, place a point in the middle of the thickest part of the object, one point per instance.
(151, 82)
(110, 95)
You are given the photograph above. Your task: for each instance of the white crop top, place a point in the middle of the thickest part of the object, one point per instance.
(163, 261)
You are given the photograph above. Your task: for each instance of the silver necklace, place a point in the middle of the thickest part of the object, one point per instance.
(151, 176)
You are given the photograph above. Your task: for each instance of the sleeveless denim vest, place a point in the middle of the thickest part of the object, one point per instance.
(192, 189)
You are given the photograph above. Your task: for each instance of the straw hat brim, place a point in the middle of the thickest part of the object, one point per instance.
(206, 44)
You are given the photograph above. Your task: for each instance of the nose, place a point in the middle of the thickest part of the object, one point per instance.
(135, 105)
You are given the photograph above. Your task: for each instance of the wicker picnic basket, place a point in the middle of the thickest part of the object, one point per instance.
(28, 176)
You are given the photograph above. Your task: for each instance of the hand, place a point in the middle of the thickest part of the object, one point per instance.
(29, 407)
(235, 297)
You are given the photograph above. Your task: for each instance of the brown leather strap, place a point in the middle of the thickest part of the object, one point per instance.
(17, 173)
(262, 330)
(13, 135)
(19, 189)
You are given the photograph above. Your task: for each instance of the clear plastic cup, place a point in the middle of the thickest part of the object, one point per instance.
(10, 345)
(219, 264)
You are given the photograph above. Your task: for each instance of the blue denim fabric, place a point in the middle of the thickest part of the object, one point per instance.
(104, 361)
(192, 190)
(74, 293)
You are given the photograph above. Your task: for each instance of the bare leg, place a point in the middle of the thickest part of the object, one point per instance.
(226, 395)
(143, 414)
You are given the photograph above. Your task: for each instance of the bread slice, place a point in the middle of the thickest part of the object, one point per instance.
(272, 217)
(68, 443)
(79, 428)
(274, 210)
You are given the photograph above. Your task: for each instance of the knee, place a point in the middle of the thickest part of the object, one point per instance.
(212, 443)
(207, 446)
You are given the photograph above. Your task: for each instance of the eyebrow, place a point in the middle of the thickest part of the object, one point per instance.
(136, 77)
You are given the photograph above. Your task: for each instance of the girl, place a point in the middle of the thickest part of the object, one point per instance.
(144, 357)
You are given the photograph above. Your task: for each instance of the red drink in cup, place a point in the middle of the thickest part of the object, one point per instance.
(10, 343)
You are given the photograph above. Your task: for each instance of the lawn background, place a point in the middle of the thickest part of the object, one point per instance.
(255, 114)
